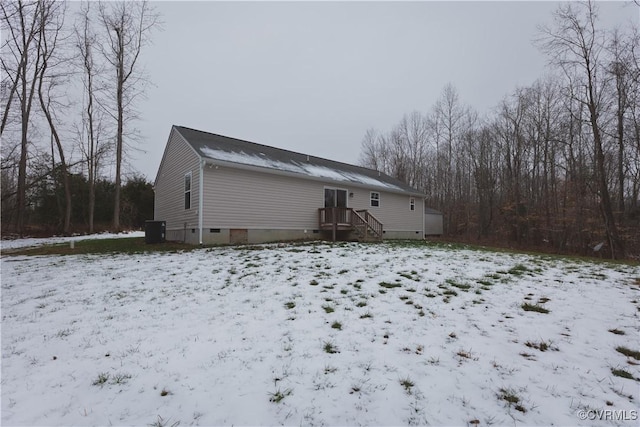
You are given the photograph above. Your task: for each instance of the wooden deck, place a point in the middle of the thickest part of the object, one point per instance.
(364, 224)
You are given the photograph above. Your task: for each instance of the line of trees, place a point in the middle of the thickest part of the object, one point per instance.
(556, 164)
(70, 81)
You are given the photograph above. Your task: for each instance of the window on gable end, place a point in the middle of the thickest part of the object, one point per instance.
(412, 203)
(187, 190)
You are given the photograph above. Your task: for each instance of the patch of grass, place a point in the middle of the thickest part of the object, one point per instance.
(63, 333)
(102, 379)
(628, 352)
(367, 315)
(519, 270)
(465, 354)
(534, 307)
(356, 388)
(328, 308)
(407, 384)
(388, 285)
(343, 271)
(165, 392)
(450, 292)
(279, 395)
(510, 396)
(461, 286)
(361, 303)
(161, 422)
(120, 378)
(542, 345)
(314, 282)
(617, 331)
(622, 374)
(330, 369)
(289, 304)
(336, 325)
(127, 245)
(330, 347)
(411, 276)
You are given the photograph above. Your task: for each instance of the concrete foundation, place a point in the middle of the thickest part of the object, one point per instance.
(225, 236)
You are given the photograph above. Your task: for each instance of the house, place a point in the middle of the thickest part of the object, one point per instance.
(215, 189)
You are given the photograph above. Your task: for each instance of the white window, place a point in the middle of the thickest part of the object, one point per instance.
(375, 199)
(412, 203)
(187, 190)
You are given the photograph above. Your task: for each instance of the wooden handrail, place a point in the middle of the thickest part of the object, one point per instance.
(340, 217)
(337, 215)
(371, 222)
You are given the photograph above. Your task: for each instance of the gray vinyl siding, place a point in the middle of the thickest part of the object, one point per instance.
(236, 198)
(394, 211)
(178, 159)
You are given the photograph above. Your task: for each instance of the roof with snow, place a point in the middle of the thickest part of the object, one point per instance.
(223, 148)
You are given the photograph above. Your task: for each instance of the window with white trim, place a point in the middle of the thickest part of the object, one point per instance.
(412, 203)
(375, 199)
(187, 190)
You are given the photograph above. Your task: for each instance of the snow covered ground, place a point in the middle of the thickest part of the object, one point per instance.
(315, 334)
(30, 242)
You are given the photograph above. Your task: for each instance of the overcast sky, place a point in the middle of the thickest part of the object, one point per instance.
(312, 77)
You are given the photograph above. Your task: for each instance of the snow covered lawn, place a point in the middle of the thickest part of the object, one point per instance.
(34, 242)
(315, 334)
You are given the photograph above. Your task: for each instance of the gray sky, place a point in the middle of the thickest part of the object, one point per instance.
(314, 76)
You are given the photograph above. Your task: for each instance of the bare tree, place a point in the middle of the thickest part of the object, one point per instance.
(576, 45)
(49, 78)
(371, 151)
(91, 128)
(484, 158)
(448, 122)
(22, 24)
(414, 133)
(622, 48)
(127, 28)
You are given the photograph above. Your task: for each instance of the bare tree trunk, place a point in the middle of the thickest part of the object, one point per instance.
(27, 35)
(127, 27)
(119, 142)
(48, 13)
